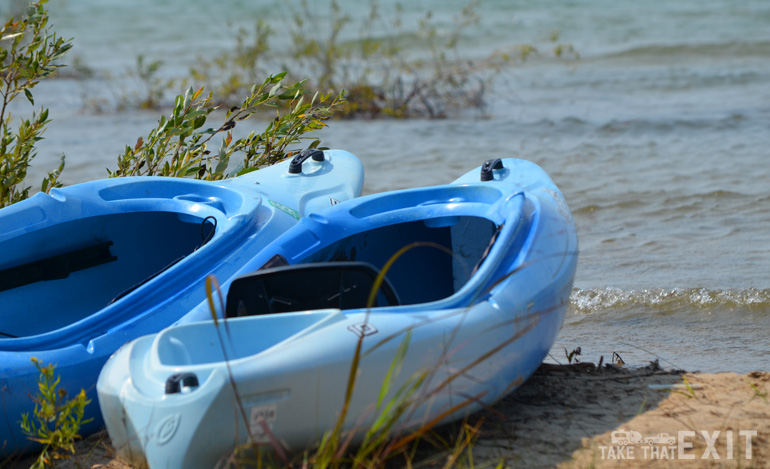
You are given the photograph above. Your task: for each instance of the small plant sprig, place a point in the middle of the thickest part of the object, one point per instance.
(150, 86)
(179, 146)
(759, 393)
(230, 73)
(28, 53)
(324, 56)
(57, 419)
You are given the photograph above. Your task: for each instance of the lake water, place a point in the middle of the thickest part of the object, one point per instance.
(659, 137)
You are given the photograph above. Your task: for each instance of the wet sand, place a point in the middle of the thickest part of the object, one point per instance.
(571, 417)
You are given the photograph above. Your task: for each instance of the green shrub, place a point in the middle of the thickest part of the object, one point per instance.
(56, 419)
(382, 79)
(180, 145)
(28, 54)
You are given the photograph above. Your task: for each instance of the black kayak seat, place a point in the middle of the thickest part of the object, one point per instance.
(302, 287)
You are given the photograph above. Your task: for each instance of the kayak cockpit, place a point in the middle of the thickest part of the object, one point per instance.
(53, 277)
(429, 260)
(433, 258)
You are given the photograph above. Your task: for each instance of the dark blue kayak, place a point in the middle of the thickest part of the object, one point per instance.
(89, 267)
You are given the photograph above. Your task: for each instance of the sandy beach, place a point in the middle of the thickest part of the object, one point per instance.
(581, 416)
(565, 417)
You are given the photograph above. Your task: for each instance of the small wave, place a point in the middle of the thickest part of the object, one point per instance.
(668, 126)
(614, 204)
(732, 49)
(564, 124)
(698, 199)
(598, 299)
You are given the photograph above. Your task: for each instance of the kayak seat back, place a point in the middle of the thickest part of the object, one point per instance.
(56, 267)
(303, 287)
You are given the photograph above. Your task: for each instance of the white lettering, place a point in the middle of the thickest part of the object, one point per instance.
(710, 442)
(748, 434)
(617, 452)
(683, 445)
(659, 446)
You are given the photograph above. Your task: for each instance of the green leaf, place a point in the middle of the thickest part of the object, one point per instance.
(29, 96)
(274, 90)
(193, 171)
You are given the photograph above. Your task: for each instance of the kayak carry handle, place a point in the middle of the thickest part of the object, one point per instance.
(488, 166)
(295, 167)
(176, 381)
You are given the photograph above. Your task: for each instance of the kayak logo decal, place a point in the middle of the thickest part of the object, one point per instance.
(167, 428)
(284, 208)
(261, 421)
(363, 329)
(333, 201)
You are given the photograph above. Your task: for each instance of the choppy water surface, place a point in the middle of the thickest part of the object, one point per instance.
(659, 137)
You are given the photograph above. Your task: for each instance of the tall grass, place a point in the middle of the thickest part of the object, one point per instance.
(392, 431)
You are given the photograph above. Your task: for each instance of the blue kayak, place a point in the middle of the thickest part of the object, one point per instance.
(89, 267)
(477, 279)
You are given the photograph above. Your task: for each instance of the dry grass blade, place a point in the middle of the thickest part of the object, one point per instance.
(274, 443)
(532, 319)
(211, 285)
(331, 441)
(402, 442)
(464, 442)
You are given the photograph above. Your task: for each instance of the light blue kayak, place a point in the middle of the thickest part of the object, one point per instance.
(470, 309)
(89, 267)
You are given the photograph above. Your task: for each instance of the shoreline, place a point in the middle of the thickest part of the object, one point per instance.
(564, 416)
